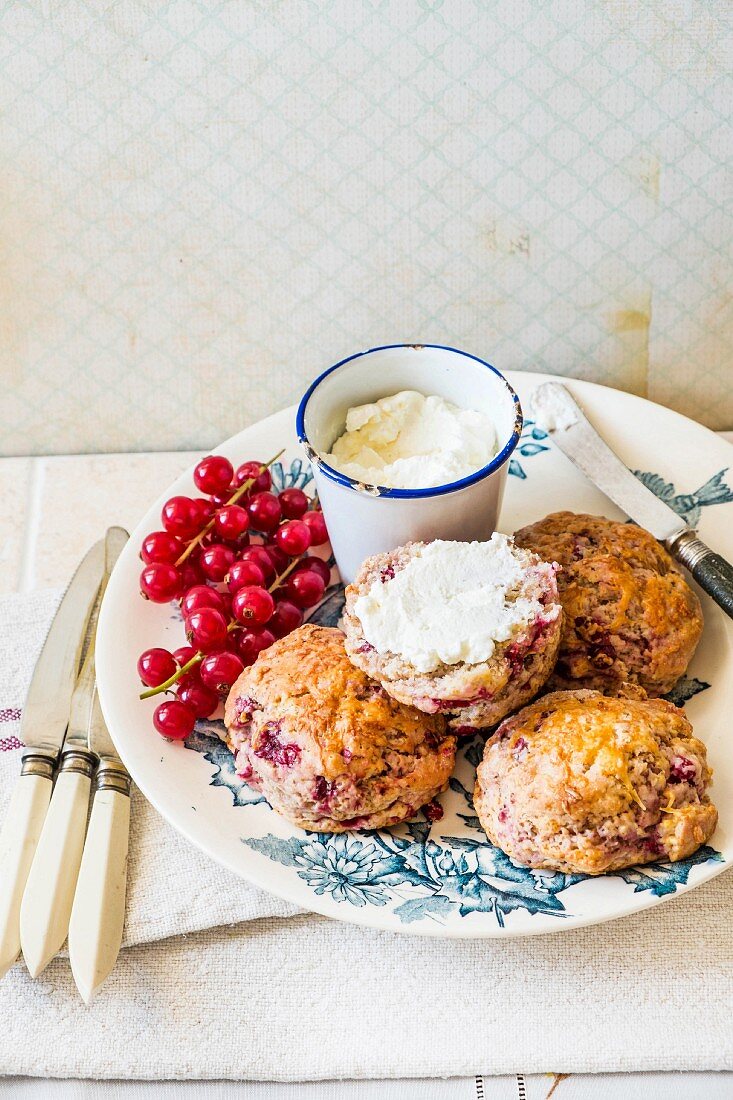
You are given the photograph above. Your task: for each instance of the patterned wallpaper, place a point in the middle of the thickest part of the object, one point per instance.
(204, 204)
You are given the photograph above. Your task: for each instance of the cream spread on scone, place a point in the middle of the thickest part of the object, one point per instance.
(409, 441)
(451, 603)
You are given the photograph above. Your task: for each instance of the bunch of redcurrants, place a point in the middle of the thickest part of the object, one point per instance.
(237, 558)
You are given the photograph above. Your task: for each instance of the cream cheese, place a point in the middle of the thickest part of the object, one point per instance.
(553, 411)
(451, 603)
(409, 441)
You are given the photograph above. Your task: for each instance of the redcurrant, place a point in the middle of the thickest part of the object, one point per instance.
(278, 558)
(219, 500)
(216, 561)
(173, 719)
(201, 699)
(293, 537)
(317, 565)
(203, 510)
(183, 655)
(260, 555)
(305, 589)
(287, 617)
(155, 666)
(252, 605)
(243, 573)
(293, 502)
(231, 522)
(201, 595)
(252, 471)
(213, 474)
(180, 517)
(264, 511)
(220, 670)
(206, 629)
(251, 643)
(161, 546)
(191, 574)
(316, 524)
(160, 582)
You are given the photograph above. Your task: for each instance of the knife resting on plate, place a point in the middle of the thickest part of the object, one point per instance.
(560, 415)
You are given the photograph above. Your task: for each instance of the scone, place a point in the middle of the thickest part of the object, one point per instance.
(629, 613)
(469, 630)
(582, 782)
(327, 747)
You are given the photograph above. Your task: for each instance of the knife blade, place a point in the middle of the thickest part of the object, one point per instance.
(562, 417)
(100, 741)
(43, 726)
(49, 891)
(77, 734)
(46, 711)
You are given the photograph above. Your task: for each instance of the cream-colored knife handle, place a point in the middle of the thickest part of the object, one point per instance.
(98, 916)
(49, 892)
(18, 840)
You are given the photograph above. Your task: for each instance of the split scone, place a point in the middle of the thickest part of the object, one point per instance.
(328, 748)
(466, 629)
(583, 782)
(629, 614)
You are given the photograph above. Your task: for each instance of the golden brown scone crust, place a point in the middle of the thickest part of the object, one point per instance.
(587, 783)
(327, 746)
(629, 613)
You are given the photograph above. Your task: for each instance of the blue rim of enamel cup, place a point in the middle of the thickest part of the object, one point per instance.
(433, 490)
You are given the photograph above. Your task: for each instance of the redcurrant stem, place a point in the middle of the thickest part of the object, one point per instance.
(232, 500)
(174, 678)
(285, 573)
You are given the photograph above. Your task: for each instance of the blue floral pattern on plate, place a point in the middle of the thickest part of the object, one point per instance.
(298, 475)
(419, 875)
(689, 505)
(533, 441)
(420, 878)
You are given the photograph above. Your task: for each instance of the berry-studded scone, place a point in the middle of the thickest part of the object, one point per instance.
(326, 745)
(629, 613)
(583, 782)
(465, 629)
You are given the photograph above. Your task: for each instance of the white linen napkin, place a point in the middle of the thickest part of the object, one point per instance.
(173, 887)
(307, 998)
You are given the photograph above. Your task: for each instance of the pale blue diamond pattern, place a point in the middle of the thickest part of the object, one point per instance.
(203, 204)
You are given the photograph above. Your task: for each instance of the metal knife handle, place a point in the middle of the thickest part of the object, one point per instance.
(711, 571)
(18, 840)
(49, 892)
(98, 916)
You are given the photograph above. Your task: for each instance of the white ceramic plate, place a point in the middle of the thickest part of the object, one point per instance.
(444, 879)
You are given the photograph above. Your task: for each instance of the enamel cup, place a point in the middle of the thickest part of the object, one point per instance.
(369, 519)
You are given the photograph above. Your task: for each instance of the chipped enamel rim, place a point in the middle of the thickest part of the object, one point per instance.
(407, 494)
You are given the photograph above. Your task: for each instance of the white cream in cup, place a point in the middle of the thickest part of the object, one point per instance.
(366, 519)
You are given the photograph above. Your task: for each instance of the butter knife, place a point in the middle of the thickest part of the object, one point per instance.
(49, 891)
(98, 915)
(42, 730)
(560, 415)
